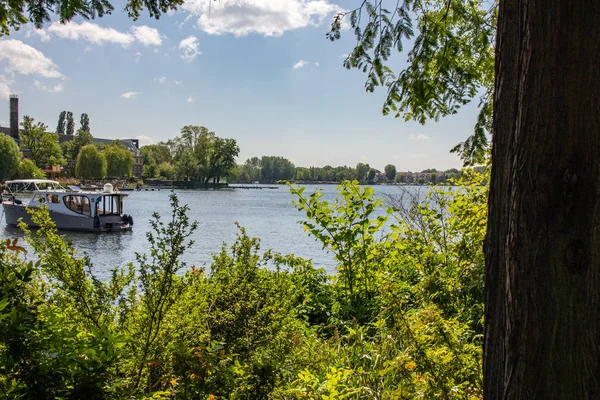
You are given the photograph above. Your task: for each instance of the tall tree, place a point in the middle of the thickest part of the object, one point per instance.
(43, 145)
(10, 156)
(85, 122)
(362, 172)
(82, 138)
(542, 259)
(70, 123)
(119, 161)
(90, 163)
(222, 158)
(371, 175)
(390, 172)
(62, 121)
(542, 263)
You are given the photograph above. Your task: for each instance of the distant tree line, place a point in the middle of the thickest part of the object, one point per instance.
(271, 169)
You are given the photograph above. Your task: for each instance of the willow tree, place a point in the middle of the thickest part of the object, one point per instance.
(539, 87)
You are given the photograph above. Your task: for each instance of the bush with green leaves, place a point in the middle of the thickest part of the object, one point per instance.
(28, 170)
(401, 317)
(10, 156)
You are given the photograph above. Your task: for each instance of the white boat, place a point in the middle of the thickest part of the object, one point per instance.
(73, 209)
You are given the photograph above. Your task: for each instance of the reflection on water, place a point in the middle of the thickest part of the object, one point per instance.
(267, 214)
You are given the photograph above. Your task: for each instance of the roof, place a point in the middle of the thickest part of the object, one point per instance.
(32, 181)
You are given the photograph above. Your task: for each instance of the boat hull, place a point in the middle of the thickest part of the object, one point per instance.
(13, 213)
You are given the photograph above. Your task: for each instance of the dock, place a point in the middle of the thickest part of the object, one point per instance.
(251, 187)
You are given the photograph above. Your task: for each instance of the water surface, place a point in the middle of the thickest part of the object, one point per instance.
(267, 214)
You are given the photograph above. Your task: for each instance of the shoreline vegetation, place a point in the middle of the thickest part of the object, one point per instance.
(401, 317)
(197, 158)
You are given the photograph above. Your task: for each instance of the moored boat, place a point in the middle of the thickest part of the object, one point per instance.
(75, 209)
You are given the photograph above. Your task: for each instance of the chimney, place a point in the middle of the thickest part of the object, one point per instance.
(14, 116)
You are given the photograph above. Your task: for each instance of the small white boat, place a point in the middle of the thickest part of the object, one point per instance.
(75, 209)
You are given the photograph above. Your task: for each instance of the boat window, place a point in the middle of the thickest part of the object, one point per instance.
(53, 198)
(109, 205)
(77, 203)
(39, 198)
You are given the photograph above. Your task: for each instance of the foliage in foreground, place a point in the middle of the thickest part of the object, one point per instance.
(400, 318)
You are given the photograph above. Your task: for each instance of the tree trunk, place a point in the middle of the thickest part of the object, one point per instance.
(542, 319)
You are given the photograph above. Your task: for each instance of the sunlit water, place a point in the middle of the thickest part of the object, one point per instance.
(267, 214)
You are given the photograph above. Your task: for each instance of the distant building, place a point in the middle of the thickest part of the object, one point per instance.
(133, 145)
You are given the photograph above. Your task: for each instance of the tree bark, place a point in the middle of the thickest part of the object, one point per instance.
(542, 319)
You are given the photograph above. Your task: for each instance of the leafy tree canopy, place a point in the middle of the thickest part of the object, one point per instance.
(10, 156)
(13, 14)
(85, 122)
(43, 145)
(119, 160)
(450, 63)
(62, 120)
(390, 172)
(28, 170)
(90, 163)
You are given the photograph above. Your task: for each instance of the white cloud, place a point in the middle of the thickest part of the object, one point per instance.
(137, 56)
(23, 59)
(190, 100)
(42, 34)
(145, 140)
(189, 48)
(264, 17)
(129, 95)
(146, 35)
(300, 64)
(160, 79)
(4, 89)
(420, 136)
(50, 89)
(93, 33)
(99, 35)
(303, 63)
(177, 82)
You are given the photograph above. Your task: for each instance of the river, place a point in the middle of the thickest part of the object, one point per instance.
(267, 214)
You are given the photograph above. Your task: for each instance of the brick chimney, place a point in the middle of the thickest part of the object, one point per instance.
(14, 116)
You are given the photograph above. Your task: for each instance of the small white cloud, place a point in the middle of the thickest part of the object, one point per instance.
(177, 82)
(146, 35)
(345, 55)
(137, 56)
(420, 136)
(129, 95)
(190, 100)
(317, 64)
(145, 140)
(90, 32)
(300, 64)
(42, 34)
(189, 48)
(161, 79)
(419, 155)
(50, 89)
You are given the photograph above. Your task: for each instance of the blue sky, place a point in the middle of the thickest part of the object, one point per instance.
(259, 71)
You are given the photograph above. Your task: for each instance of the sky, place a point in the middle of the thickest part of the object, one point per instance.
(259, 71)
